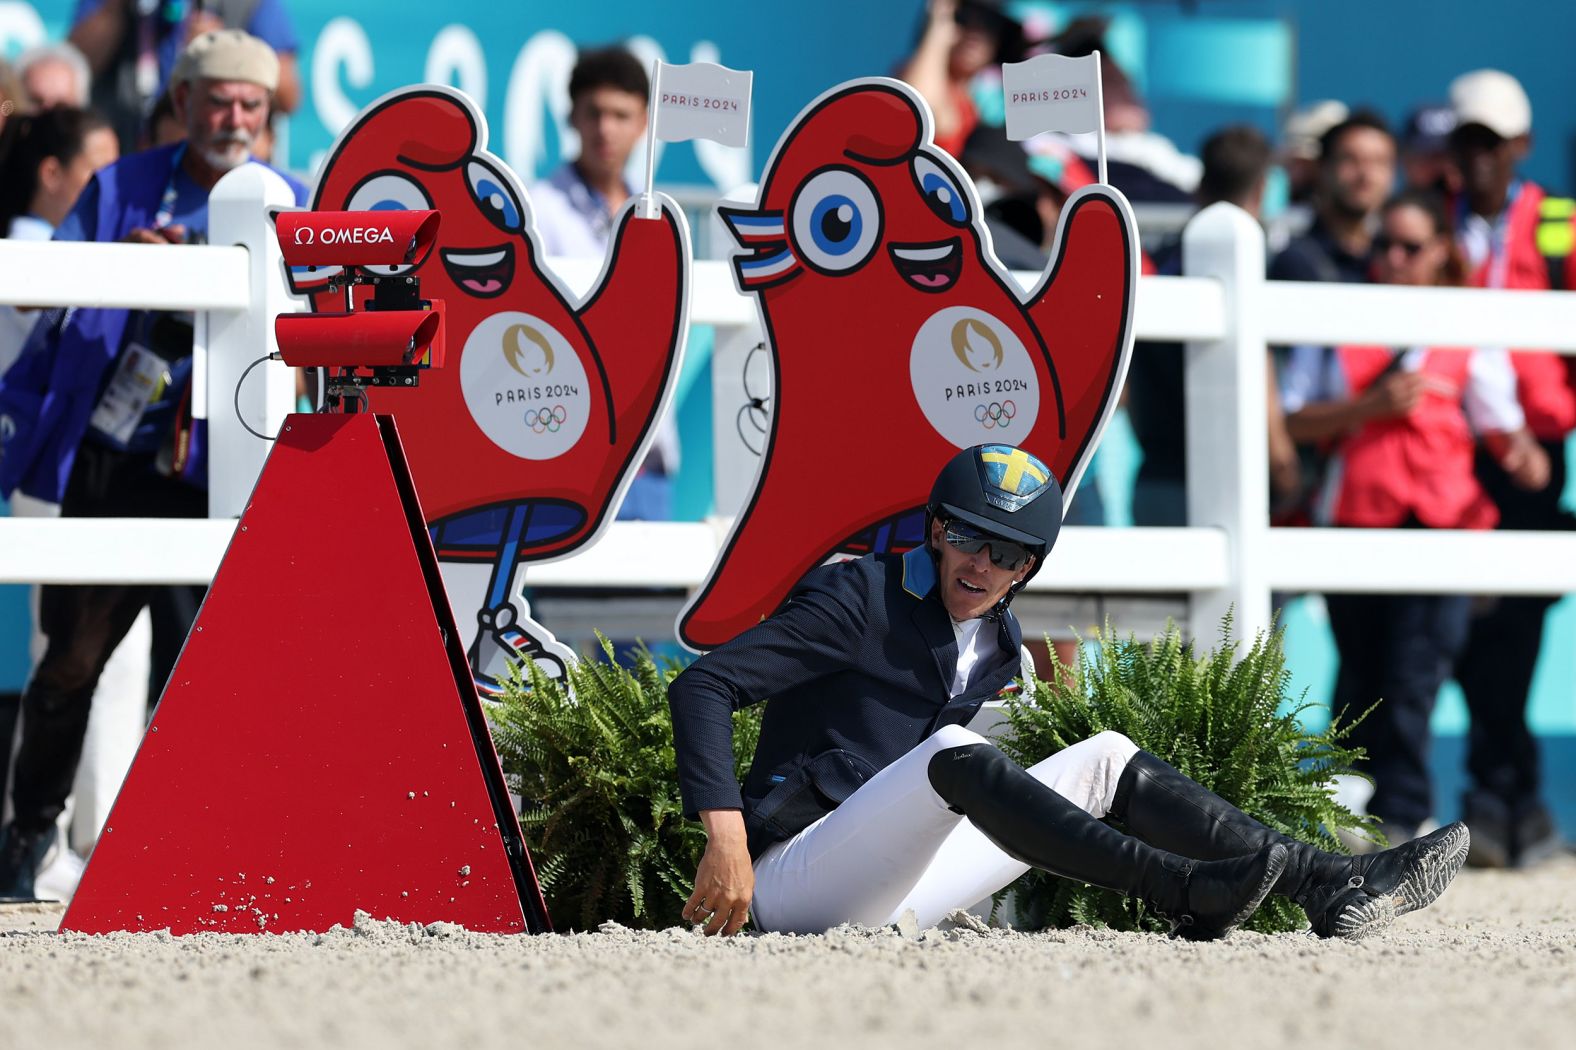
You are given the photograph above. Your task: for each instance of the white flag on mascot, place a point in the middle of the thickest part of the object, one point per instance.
(701, 101)
(1055, 93)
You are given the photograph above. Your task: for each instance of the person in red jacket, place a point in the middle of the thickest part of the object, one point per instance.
(1513, 236)
(1401, 427)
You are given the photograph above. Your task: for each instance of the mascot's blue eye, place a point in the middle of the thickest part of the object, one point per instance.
(497, 200)
(944, 199)
(492, 195)
(835, 220)
(835, 224)
(941, 191)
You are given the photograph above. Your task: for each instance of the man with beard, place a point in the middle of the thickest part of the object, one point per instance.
(1513, 235)
(108, 389)
(1356, 173)
(1357, 166)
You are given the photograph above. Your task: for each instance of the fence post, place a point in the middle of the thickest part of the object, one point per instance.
(238, 214)
(1227, 457)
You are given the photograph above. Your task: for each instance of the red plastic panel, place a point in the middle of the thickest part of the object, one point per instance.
(315, 751)
(355, 238)
(360, 339)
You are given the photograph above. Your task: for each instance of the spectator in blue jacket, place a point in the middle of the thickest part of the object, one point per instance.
(90, 415)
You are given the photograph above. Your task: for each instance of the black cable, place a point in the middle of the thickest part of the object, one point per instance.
(238, 384)
(753, 405)
(738, 425)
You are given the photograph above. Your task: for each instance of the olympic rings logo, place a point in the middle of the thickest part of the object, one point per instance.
(546, 420)
(996, 414)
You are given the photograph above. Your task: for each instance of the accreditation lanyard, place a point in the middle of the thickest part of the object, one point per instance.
(1499, 236)
(166, 213)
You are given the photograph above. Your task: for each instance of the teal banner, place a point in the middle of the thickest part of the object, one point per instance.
(515, 61)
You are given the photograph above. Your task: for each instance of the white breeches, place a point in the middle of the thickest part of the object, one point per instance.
(894, 845)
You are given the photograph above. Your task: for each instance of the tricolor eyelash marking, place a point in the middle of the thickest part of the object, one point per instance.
(768, 259)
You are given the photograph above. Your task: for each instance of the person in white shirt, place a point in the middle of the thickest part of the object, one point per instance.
(574, 211)
(574, 208)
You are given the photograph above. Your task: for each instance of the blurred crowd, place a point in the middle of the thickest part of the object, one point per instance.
(161, 98)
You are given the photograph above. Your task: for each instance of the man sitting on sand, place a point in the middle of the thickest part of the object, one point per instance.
(867, 797)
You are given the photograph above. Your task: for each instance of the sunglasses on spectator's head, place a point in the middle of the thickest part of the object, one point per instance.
(1004, 554)
(1384, 242)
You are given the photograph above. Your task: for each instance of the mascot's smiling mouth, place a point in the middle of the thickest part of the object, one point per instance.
(484, 273)
(930, 267)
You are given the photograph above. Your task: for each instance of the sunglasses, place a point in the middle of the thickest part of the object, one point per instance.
(1384, 243)
(1004, 554)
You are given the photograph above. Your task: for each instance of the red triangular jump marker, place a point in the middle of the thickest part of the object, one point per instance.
(320, 747)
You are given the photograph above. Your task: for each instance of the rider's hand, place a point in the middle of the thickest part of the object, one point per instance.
(725, 880)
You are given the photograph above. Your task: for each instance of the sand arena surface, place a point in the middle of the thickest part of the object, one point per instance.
(1492, 963)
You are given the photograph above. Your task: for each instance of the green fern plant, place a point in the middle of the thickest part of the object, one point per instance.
(1222, 719)
(592, 757)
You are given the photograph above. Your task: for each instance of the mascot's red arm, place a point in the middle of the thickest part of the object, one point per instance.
(1091, 280)
(647, 282)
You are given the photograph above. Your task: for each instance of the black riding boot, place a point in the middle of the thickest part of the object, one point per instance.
(1033, 824)
(1343, 896)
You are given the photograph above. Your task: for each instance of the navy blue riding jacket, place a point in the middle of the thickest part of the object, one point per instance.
(857, 668)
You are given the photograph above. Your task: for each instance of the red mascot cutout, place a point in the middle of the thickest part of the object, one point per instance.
(898, 338)
(523, 445)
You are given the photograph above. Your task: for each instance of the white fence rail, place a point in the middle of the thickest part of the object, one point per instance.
(1223, 309)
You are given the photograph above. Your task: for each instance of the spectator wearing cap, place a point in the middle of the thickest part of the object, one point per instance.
(55, 75)
(1426, 160)
(95, 406)
(1513, 235)
(132, 47)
